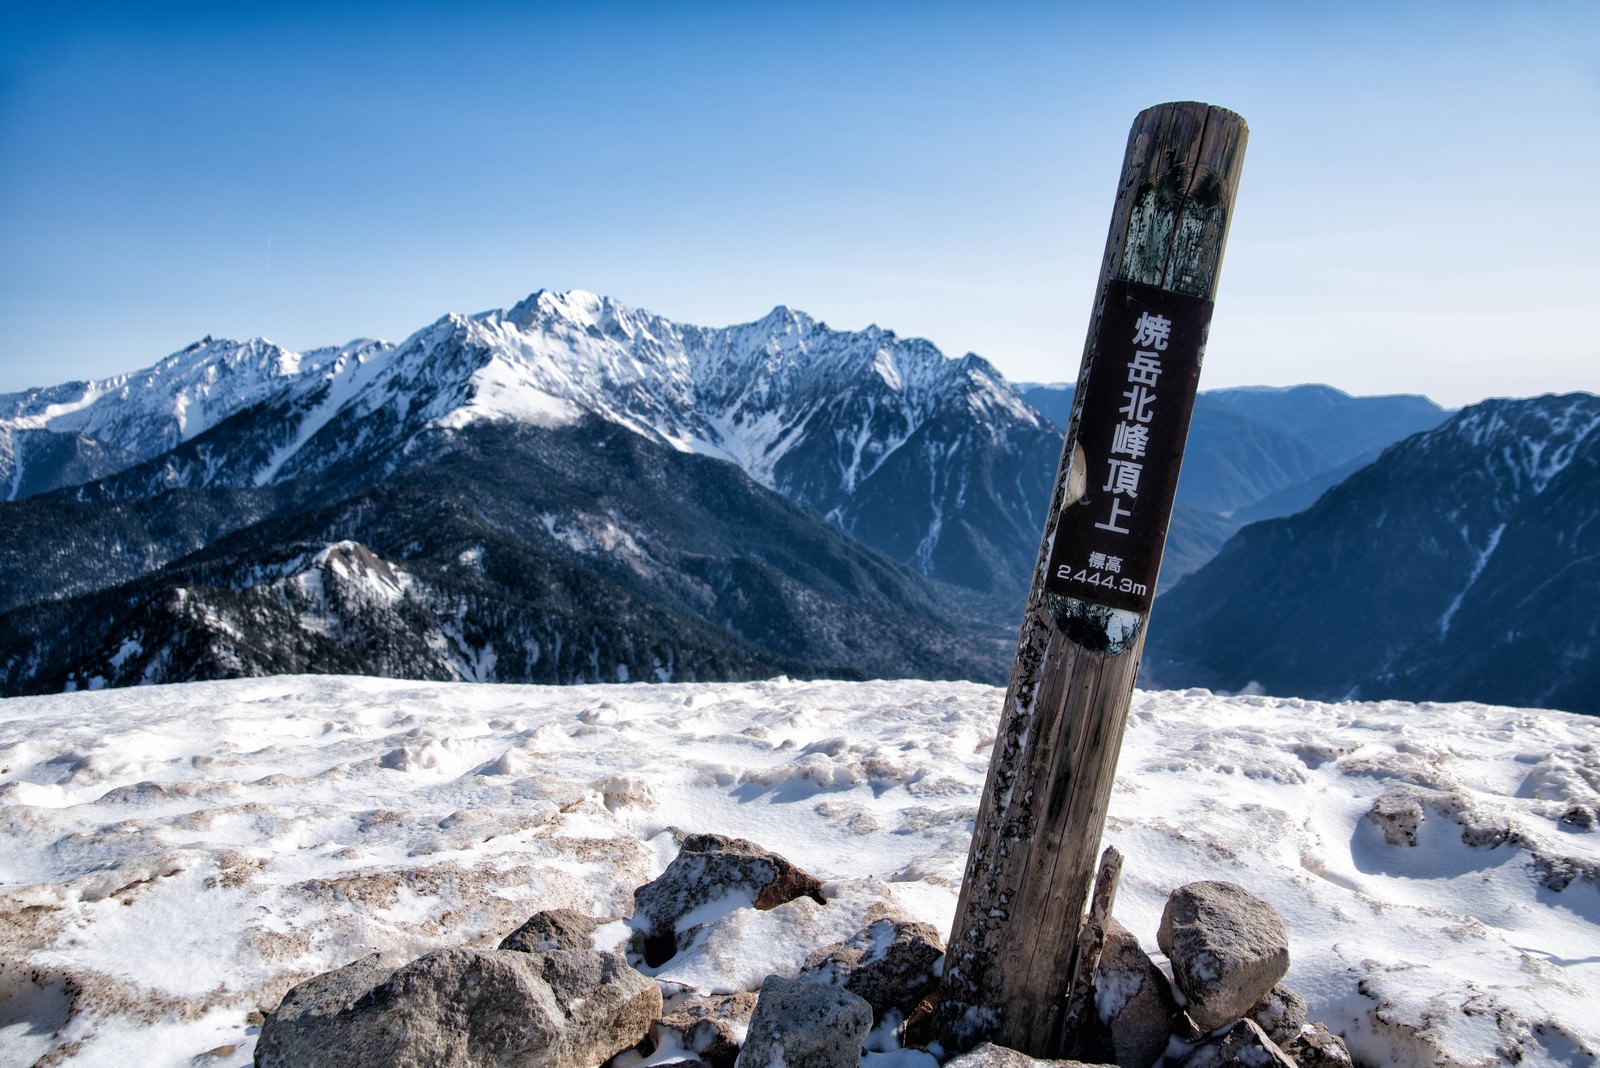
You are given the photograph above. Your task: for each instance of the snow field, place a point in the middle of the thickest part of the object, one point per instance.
(176, 857)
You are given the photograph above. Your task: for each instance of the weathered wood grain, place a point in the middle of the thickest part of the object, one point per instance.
(1091, 944)
(1010, 959)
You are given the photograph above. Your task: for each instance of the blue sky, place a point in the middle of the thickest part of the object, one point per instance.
(1416, 212)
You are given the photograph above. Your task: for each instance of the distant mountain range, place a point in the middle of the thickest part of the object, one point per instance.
(934, 461)
(576, 490)
(1464, 563)
(589, 442)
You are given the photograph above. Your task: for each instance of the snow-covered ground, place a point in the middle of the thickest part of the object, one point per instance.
(175, 857)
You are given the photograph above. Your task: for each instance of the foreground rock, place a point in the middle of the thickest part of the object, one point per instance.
(805, 1025)
(705, 1026)
(553, 929)
(1243, 1044)
(1133, 1002)
(711, 873)
(989, 1055)
(1227, 947)
(1281, 1013)
(891, 964)
(547, 999)
(464, 1008)
(1317, 1047)
(1398, 813)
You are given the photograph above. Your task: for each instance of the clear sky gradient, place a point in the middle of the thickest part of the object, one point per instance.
(1417, 212)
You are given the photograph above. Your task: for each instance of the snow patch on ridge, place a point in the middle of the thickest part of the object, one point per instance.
(344, 377)
(1533, 445)
(1480, 561)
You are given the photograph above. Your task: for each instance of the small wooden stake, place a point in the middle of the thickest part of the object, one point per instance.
(1010, 961)
(1091, 943)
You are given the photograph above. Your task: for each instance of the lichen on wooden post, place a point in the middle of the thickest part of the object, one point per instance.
(1010, 960)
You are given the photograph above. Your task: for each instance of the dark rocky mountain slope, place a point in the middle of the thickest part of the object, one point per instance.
(1463, 564)
(515, 553)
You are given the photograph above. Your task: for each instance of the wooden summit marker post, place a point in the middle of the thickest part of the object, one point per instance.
(1010, 960)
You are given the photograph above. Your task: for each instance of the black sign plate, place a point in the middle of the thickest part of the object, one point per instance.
(1132, 428)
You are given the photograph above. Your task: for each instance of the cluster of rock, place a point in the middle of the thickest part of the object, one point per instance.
(547, 998)
(1224, 1004)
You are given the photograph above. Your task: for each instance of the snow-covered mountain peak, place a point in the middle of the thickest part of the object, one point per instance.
(783, 319)
(747, 392)
(548, 309)
(574, 305)
(590, 340)
(146, 412)
(1525, 443)
(820, 415)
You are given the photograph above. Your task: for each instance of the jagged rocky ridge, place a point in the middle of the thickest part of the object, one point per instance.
(241, 450)
(932, 460)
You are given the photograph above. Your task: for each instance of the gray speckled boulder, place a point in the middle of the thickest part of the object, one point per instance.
(463, 1008)
(1281, 1013)
(1227, 948)
(892, 964)
(805, 1025)
(1132, 1000)
(553, 929)
(706, 1026)
(990, 1055)
(1317, 1047)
